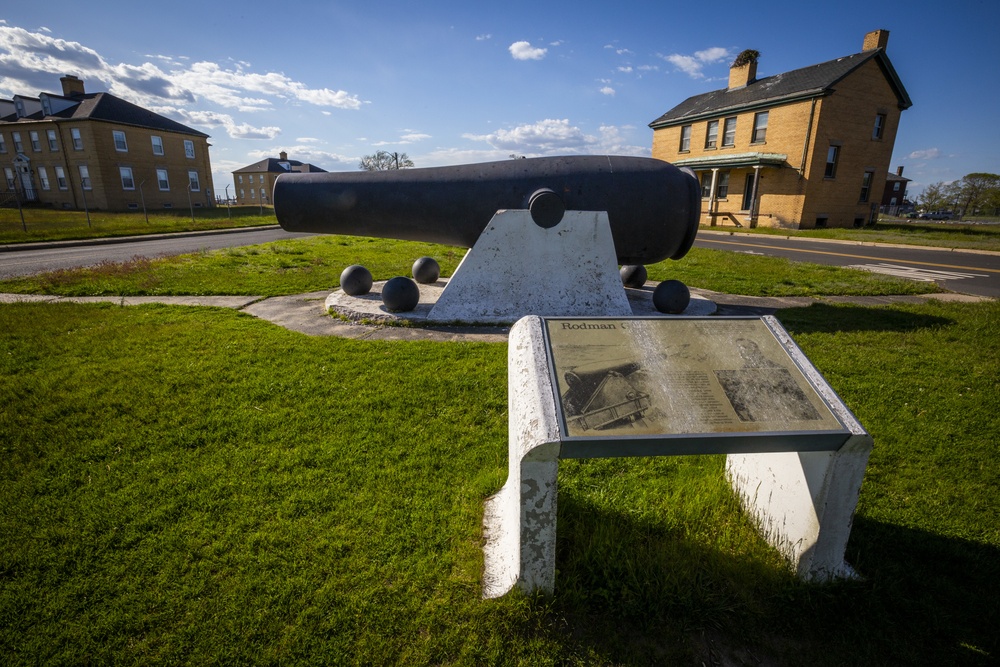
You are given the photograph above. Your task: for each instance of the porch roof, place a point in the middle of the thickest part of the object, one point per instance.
(733, 161)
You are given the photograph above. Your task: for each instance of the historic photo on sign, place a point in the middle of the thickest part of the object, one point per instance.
(679, 376)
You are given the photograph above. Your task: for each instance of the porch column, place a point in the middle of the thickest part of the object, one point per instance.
(711, 196)
(754, 195)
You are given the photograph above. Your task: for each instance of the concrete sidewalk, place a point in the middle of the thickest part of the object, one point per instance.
(307, 314)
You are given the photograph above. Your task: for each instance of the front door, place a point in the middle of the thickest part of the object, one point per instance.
(748, 193)
(23, 167)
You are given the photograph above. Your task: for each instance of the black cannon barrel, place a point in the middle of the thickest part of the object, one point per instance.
(653, 207)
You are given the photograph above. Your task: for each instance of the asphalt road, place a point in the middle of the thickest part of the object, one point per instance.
(976, 273)
(37, 258)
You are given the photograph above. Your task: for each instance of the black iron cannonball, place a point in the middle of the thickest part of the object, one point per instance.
(672, 297)
(426, 270)
(400, 294)
(356, 280)
(633, 275)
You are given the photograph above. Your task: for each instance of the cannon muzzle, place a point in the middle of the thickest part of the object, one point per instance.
(653, 207)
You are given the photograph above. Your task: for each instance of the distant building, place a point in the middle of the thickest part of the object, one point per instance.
(94, 150)
(802, 149)
(894, 195)
(255, 183)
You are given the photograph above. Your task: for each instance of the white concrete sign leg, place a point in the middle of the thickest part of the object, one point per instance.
(520, 520)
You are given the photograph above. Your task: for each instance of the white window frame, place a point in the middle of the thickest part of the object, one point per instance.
(9, 177)
(74, 134)
(193, 182)
(878, 131)
(85, 178)
(685, 139)
(866, 186)
(189, 149)
(722, 185)
(43, 178)
(263, 195)
(128, 181)
(163, 180)
(712, 134)
(53, 141)
(759, 135)
(830, 170)
(157, 144)
(3, 144)
(18, 144)
(240, 177)
(61, 181)
(36, 142)
(121, 142)
(729, 132)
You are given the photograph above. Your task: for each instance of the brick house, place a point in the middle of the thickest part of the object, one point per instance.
(894, 196)
(255, 182)
(97, 151)
(803, 149)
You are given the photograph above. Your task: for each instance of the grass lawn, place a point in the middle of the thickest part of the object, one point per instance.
(40, 224)
(237, 493)
(240, 494)
(315, 263)
(968, 235)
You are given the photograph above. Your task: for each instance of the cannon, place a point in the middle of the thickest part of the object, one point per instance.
(653, 207)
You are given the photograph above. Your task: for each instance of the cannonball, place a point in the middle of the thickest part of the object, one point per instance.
(672, 297)
(400, 294)
(633, 275)
(426, 270)
(356, 280)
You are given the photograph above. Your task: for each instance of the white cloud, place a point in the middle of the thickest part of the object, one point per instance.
(627, 69)
(213, 119)
(525, 51)
(927, 154)
(557, 137)
(693, 65)
(483, 38)
(608, 90)
(414, 136)
(306, 153)
(31, 61)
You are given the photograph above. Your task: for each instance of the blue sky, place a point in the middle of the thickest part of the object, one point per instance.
(459, 82)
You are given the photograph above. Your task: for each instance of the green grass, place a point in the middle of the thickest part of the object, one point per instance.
(969, 235)
(236, 493)
(315, 263)
(56, 225)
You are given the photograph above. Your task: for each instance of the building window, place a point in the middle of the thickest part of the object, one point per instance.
(243, 194)
(250, 179)
(9, 174)
(53, 143)
(18, 146)
(759, 128)
(706, 184)
(895, 186)
(240, 177)
(712, 134)
(84, 177)
(120, 144)
(722, 185)
(879, 128)
(253, 193)
(161, 178)
(3, 144)
(157, 145)
(189, 148)
(77, 139)
(263, 195)
(866, 185)
(128, 183)
(43, 178)
(685, 139)
(729, 132)
(832, 154)
(194, 184)
(61, 179)
(36, 145)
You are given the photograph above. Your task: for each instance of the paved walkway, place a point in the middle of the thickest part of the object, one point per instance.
(306, 313)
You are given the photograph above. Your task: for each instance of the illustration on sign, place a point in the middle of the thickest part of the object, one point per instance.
(679, 376)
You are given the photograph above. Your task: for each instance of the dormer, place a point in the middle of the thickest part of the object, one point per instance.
(53, 104)
(25, 106)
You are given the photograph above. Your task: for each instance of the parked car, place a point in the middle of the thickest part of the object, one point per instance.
(936, 215)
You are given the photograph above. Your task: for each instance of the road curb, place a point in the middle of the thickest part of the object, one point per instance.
(106, 240)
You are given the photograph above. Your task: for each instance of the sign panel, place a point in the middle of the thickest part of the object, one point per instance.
(682, 385)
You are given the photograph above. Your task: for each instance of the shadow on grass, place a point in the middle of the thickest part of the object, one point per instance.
(825, 318)
(630, 592)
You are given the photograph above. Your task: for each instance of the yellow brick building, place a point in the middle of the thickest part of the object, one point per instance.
(255, 182)
(96, 151)
(807, 148)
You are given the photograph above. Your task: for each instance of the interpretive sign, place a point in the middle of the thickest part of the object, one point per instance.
(654, 386)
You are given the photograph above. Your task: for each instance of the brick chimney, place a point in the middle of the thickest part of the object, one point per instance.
(283, 156)
(876, 39)
(899, 171)
(743, 71)
(71, 86)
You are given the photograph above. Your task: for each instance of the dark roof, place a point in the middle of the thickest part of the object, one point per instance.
(107, 107)
(273, 164)
(805, 83)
